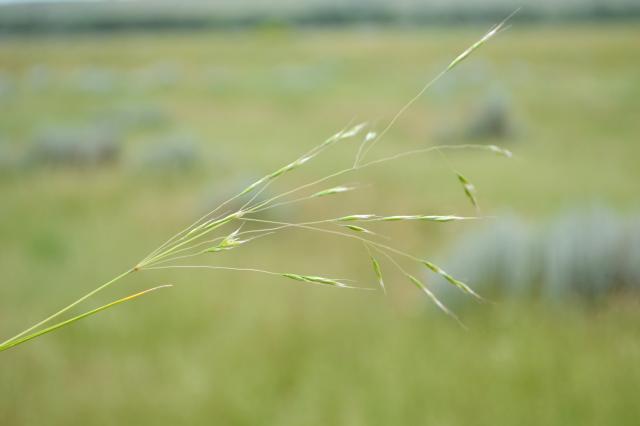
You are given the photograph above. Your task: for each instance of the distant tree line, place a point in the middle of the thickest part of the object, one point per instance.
(105, 17)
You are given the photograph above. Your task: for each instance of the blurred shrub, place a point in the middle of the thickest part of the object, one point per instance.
(95, 80)
(38, 78)
(7, 86)
(75, 147)
(162, 75)
(134, 117)
(581, 254)
(631, 254)
(491, 121)
(493, 118)
(299, 78)
(585, 253)
(175, 154)
(8, 160)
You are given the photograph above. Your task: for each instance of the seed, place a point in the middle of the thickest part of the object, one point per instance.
(355, 217)
(357, 229)
(499, 150)
(462, 286)
(378, 271)
(314, 279)
(469, 189)
(432, 296)
(352, 131)
(330, 191)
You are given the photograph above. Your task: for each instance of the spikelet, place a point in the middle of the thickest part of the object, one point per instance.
(432, 296)
(462, 286)
(355, 217)
(229, 242)
(357, 229)
(500, 150)
(461, 57)
(331, 191)
(378, 271)
(351, 132)
(423, 218)
(469, 189)
(314, 279)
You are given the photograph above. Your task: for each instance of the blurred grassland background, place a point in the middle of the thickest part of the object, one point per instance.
(112, 141)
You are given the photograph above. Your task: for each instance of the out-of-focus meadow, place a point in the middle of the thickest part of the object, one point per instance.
(110, 143)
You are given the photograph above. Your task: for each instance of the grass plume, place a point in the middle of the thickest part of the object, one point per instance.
(207, 231)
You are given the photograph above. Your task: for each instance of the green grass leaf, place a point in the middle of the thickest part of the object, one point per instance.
(70, 321)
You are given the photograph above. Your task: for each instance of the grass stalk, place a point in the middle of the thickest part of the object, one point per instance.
(187, 242)
(67, 308)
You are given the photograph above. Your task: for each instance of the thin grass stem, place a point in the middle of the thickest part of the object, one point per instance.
(68, 307)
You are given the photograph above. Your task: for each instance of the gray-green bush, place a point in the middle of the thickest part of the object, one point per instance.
(585, 254)
(75, 147)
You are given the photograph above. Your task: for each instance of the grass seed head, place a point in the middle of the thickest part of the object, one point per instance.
(396, 218)
(433, 297)
(378, 271)
(469, 189)
(229, 242)
(495, 30)
(427, 218)
(500, 151)
(352, 131)
(331, 191)
(299, 162)
(253, 186)
(462, 286)
(314, 279)
(443, 218)
(357, 229)
(355, 217)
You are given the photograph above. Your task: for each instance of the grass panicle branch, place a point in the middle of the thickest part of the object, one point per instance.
(208, 235)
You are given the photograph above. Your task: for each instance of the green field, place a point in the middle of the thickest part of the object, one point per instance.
(230, 348)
